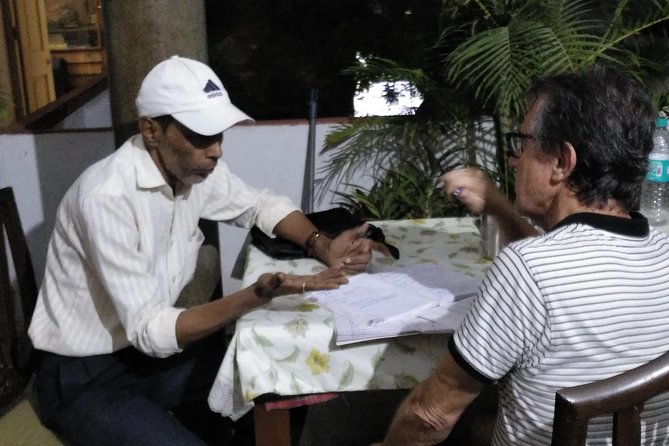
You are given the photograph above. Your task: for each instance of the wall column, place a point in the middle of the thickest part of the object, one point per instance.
(140, 33)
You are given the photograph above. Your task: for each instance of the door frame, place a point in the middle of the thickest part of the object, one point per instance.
(15, 96)
(18, 96)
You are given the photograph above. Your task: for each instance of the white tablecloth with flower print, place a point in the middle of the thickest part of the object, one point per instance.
(287, 347)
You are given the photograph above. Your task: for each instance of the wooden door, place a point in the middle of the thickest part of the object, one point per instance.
(35, 55)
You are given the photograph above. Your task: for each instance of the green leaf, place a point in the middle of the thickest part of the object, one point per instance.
(292, 357)
(261, 340)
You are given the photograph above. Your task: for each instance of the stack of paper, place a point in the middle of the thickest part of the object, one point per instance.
(398, 301)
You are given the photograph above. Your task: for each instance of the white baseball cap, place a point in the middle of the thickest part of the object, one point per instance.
(191, 92)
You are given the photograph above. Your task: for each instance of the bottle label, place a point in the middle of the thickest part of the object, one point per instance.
(658, 170)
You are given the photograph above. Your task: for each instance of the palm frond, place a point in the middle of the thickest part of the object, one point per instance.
(620, 29)
(376, 69)
(499, 64)
(375, 145)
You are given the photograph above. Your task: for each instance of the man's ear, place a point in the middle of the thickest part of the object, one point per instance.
(565, 162)
(150, 130)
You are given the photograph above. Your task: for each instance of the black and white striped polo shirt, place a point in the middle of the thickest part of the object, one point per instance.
(586, 301)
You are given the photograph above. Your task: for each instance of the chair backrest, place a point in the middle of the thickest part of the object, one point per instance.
(18, 294)
(622, 395)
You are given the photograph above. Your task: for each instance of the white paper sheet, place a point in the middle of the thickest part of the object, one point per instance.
(441, 319)
(398, 301)
(373, 299)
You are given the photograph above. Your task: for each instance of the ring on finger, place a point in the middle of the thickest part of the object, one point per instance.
(304, 285)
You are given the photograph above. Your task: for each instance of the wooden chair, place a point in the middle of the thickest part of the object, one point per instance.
(19, 424)
(622, 395)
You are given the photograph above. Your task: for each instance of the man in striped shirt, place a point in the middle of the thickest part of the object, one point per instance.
(118, 358)
(583, 301)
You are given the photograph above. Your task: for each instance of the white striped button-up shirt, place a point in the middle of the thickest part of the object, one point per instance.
(123, 248)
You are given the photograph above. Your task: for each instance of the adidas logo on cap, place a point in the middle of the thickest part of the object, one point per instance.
(212, 89)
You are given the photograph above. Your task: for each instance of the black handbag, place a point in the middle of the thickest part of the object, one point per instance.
(332, 221)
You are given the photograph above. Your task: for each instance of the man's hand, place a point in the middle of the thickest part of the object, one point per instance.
(353, 250)
(271, 285)
(474, 189)
(350, 249)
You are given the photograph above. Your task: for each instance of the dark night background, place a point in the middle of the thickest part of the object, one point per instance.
(271, 53)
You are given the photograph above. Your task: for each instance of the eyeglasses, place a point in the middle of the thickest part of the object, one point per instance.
(514, 141)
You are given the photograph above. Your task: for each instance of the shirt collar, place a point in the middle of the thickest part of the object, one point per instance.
(148, 175)
(636, 226)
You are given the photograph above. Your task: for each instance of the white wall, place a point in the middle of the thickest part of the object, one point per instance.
(40, 168)
(268, 155)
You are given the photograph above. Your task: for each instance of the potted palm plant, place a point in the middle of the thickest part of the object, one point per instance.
(473, 82)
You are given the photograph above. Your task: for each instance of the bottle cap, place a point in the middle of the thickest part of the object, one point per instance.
(661, 122)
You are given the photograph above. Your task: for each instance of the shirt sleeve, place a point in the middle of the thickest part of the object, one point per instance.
(110, 240)
(507, 325)
(233, 201)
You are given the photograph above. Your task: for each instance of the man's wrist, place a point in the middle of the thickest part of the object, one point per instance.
(318, 244)
(262, 291)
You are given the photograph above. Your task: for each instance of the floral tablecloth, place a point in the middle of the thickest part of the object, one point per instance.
(287, 347)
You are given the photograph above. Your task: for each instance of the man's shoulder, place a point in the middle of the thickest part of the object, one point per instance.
(660, 232)
(108, 178)
(555, 242)
(576, 237)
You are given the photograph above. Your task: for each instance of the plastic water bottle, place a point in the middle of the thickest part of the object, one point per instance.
(654, 194)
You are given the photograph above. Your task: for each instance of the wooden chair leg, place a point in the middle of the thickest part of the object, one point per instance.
(272, 428)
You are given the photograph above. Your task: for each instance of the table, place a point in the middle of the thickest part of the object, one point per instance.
(286, 348)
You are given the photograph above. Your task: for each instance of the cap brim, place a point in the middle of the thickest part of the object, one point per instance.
(211, 120)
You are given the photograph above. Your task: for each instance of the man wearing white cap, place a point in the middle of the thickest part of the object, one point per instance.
(125, 244)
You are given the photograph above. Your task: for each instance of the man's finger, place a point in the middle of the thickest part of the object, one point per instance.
(362, 229)
(360, 246)
(277, 280)
(359, 259)
(382, 248)
(355, 269)
(340, 280)
(358, 231)
(355, 264)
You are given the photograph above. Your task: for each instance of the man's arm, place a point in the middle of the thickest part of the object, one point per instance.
(474, 189)
(431, 410)
(202, 320)
(349, 249)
